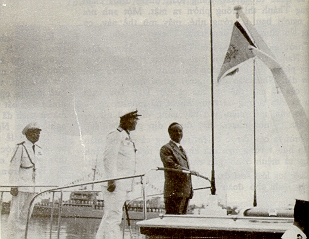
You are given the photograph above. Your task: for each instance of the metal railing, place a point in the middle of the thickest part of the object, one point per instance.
(53, 189)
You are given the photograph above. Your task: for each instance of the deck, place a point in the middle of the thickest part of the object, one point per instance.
(198, 226)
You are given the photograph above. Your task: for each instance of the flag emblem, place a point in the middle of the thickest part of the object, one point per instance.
(231, 53)
(238, 51)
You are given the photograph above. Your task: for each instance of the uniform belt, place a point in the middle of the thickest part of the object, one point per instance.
(26, 167)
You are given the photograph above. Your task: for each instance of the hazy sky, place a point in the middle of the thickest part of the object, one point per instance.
(73, 65)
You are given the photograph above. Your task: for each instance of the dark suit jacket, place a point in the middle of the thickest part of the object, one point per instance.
(176, 184)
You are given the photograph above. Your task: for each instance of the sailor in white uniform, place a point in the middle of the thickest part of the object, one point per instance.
(118, 161)
(300, 227)
(22, 172)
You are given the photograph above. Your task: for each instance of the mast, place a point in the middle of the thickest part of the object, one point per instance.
(213, 181)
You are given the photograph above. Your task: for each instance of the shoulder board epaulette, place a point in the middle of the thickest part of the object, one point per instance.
(120, 129)
(21, 143)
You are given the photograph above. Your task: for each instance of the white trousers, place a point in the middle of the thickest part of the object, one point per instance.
(110, 224)
(18, 214)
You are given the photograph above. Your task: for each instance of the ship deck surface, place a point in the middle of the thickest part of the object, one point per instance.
(215, 227)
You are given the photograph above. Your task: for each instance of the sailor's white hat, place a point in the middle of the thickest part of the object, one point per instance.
(32, 125)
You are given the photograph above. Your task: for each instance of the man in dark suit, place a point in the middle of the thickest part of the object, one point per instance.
(177, 187)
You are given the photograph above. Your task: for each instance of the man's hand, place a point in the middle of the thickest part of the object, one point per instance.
(194, 173)
(14, 191)
(192, 193)
(111, 186)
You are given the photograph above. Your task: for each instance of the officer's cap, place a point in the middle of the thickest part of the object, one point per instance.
(301, 211)
(32, 125)
(129, 113)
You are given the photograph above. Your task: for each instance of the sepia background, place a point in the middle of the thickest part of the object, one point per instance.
(72, 66)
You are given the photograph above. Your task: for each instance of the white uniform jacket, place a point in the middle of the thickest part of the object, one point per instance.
(119, 158)
(24, 165)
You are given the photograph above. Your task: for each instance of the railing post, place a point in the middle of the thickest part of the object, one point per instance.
(1, 198)
(59, 214)
(51, 216)
(143, 182)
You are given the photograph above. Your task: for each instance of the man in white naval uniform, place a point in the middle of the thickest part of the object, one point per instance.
(300, 227)
(22, 172)
(118, 161)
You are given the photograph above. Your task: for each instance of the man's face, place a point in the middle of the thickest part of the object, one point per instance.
(131, 123)
(33, 135)
(176, 133)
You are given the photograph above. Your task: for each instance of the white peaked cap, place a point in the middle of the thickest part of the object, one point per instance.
(128, 111)
(32, 125)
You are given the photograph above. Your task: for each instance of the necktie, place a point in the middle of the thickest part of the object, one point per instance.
(33, 147)
(132, 141)
(181, 149)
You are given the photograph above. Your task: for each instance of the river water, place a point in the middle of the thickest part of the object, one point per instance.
(70, 228)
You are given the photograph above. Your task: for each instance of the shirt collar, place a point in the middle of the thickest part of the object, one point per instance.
(29, 143)
(178, 144)
(121, 129)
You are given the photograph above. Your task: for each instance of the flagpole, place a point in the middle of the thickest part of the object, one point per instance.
(238, 11)
(254, 138)
(212, 181)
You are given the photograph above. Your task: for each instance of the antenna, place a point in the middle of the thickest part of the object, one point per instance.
(212, 181)
(254, 121)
